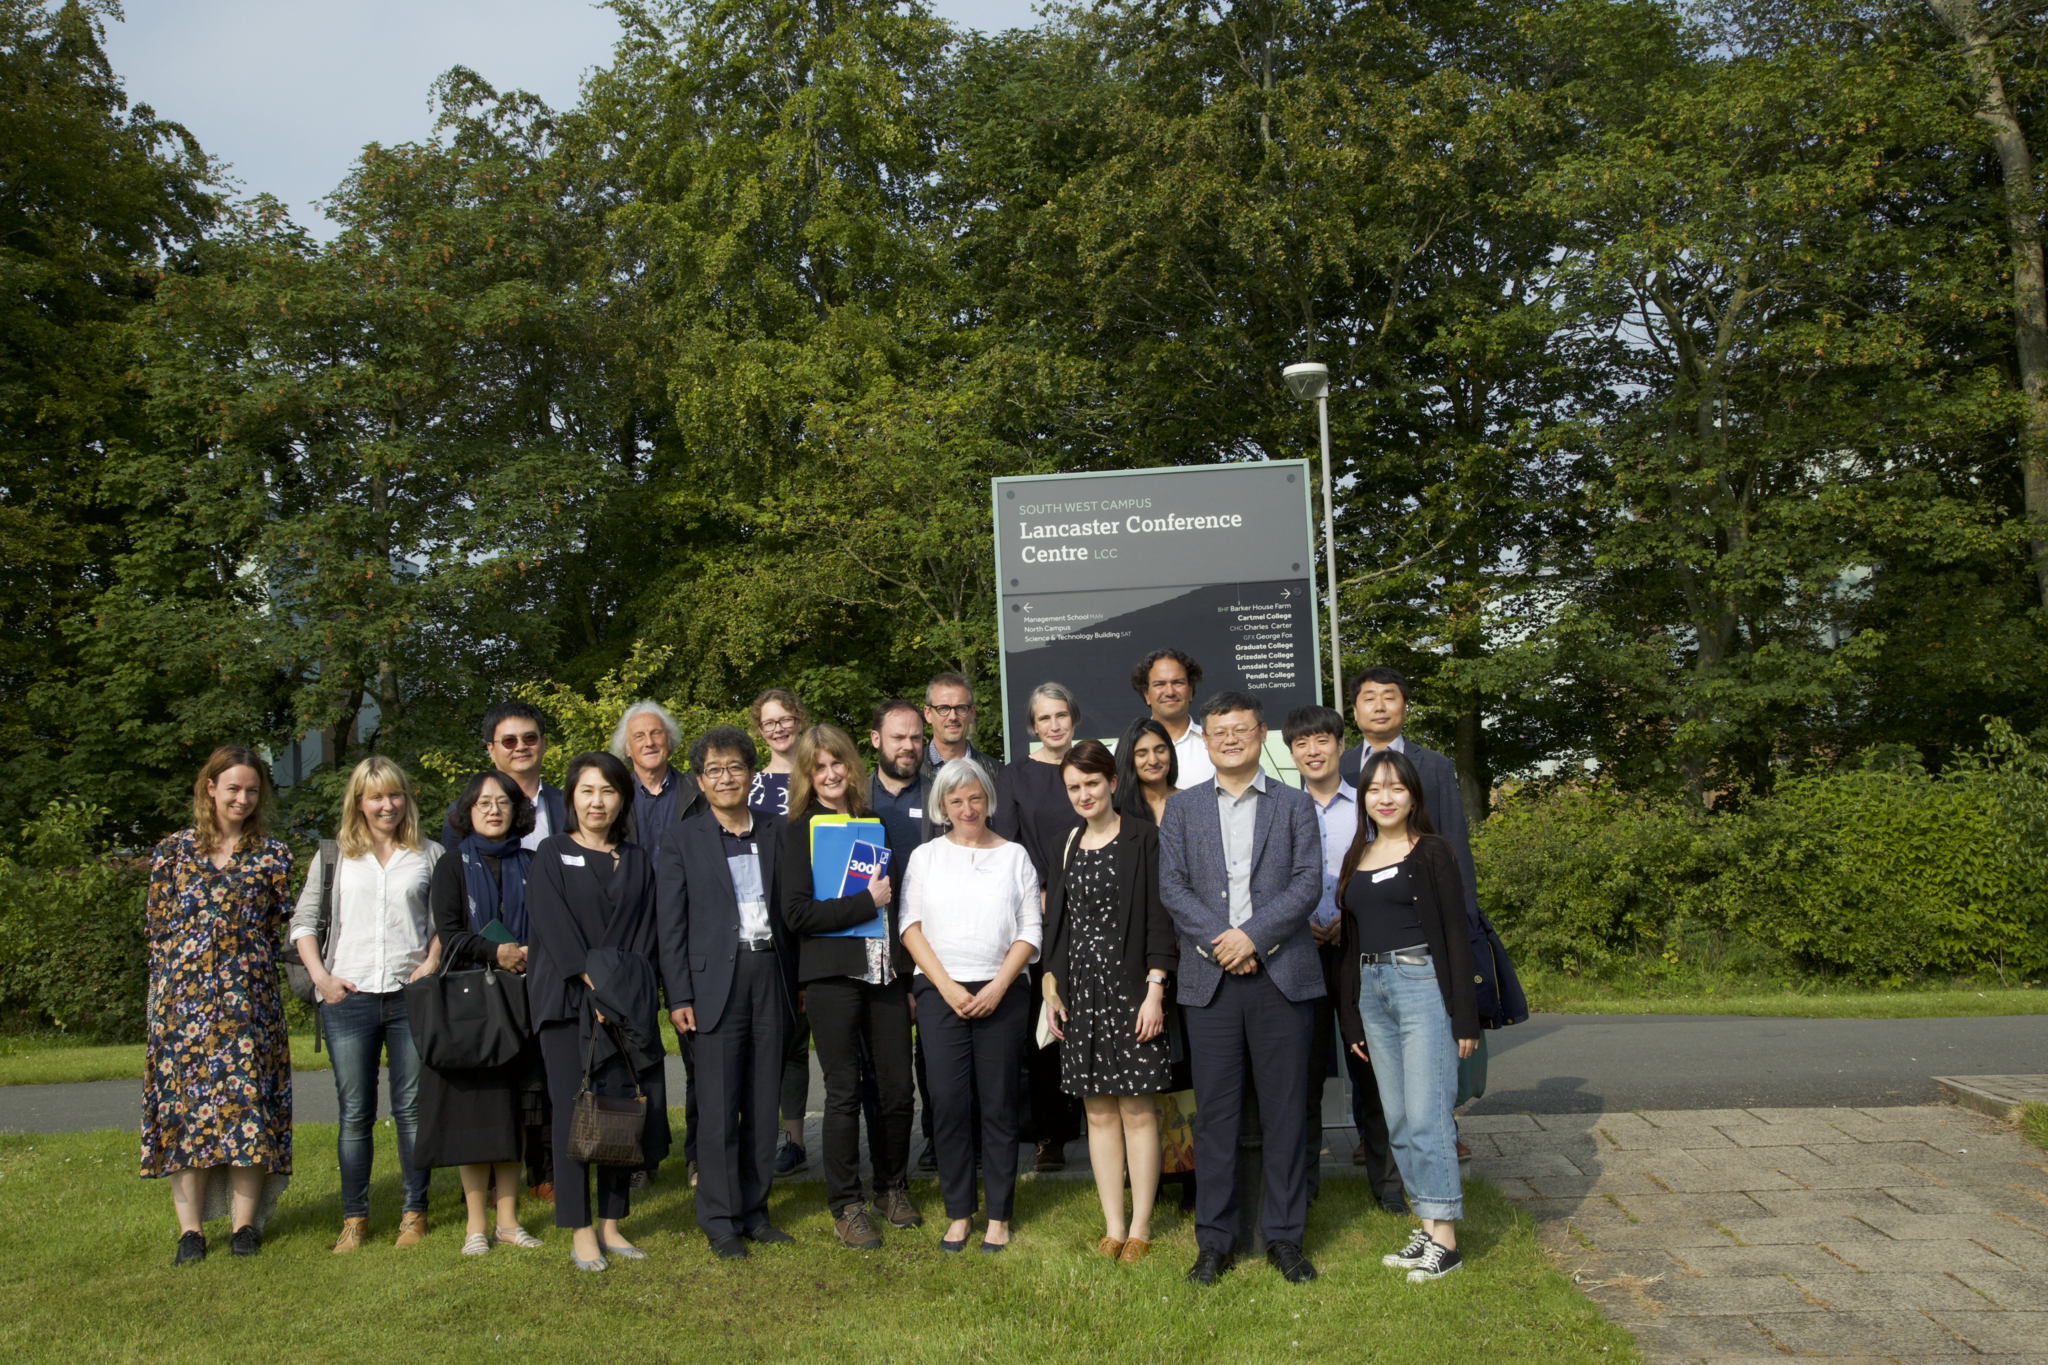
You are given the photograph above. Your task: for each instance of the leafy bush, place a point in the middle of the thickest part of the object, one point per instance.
(72, 953)
(1873, 874)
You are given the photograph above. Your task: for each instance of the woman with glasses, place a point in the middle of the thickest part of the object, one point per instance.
(780, 719)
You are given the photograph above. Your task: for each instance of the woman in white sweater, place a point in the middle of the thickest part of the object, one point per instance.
(971, 922)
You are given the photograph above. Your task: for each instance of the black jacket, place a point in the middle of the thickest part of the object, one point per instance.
(1440, 797)
(699, 914)
(820, 958)
(1440, 909)
(1144, 928)
(570, 911)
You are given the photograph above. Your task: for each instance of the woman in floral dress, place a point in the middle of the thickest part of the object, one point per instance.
(217, 1086)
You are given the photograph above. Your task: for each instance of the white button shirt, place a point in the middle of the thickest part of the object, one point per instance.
(1194, 756)
(381, 925)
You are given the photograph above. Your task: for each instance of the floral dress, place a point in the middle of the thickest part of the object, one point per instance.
(1102, 1054)
(217, 1082)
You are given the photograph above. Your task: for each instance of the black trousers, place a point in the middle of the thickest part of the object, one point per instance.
(1366, 1110)
(849, 1017)
(1055, 1115)
(562, 1053)
(966, 1059)
(1249, 1023)
(739, 1095)
(686, 1048)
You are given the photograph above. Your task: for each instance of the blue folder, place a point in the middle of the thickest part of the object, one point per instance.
(834, 843)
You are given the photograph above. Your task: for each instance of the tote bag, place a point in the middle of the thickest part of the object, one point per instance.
(468, 1020)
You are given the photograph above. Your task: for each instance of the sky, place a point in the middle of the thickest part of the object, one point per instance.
(288, 91)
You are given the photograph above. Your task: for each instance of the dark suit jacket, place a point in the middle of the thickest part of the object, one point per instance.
(699, 914)
(1438, 902)
(1287, 884)
(1440, 797)
(819, 957)
(549, 800)
(1143, 927)
(569, 911)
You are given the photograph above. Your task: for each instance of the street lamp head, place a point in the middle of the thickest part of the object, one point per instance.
(1308, 380)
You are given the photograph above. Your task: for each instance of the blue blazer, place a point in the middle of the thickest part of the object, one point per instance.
(1287, 883)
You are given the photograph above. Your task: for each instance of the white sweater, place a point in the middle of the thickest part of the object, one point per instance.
(972, 904)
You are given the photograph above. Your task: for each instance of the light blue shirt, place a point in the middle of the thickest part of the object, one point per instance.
(1339, 824)
(1240, 817)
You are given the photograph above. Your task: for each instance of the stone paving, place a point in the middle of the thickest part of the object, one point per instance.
(1734, 1236)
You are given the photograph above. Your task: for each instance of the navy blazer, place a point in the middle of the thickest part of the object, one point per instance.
(1287, 885)
(569, 912)
(1440, 798)
(549, 800)
(699, 914)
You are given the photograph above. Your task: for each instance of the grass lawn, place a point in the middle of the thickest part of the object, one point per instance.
(85, 1275)
(51, 1058)
(1555, 993)
(2034, 1124)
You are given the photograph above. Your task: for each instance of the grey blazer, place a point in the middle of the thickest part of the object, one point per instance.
(1287, 882)
(1441, 798)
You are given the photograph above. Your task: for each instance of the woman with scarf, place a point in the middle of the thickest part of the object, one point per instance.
(476, 1120)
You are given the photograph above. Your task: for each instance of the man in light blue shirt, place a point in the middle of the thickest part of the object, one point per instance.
(1315, 737)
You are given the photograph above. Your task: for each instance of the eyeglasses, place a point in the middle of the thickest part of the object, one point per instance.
(1233, 732)
(525, 741)
(776, 727)
(725, 770)
(964, 709)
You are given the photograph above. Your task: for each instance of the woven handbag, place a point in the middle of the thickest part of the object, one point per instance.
(604, 1130)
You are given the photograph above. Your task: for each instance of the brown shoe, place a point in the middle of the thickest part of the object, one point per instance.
(411, 1228)
(545, 1191)
(854, 1229)
(897, 1208)
(1109, 1248)
(1464, 1152)
(1134, 1251)
(1051, 1157)
(1358, 1155)
(352, 1232)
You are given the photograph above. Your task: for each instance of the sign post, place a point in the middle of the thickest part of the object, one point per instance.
(1095, 571)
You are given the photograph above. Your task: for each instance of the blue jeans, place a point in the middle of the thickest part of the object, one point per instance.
(357, 1030)
(1415, 1060)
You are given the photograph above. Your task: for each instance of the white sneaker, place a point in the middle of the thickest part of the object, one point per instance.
(476, 1244)
(1411, 1255)
(516, 1236)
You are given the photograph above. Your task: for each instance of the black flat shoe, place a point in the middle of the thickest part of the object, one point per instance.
(768, 1235)
(1208, 1267)
(989, 1248)
(1287, 1258)
(944, 1245)
(191, 1249)
(247, 1241)
(729, 1249)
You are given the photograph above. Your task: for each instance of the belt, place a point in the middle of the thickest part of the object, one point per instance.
(1417, 956)
(757, 945)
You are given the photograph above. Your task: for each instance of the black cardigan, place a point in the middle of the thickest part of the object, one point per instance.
(448, 905)
(1144, 928)
(570, 911)
(820, 958)
(1440, 909)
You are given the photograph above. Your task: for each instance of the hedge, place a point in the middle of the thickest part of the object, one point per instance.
(72, 954)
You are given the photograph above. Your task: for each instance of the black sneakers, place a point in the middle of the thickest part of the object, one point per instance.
(246, 1241)
(1287, 1258)
(191, 1249)
(1410, 1256)
(1437, 1261)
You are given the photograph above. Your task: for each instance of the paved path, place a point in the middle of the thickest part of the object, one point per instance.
(1739, 1236)
(1606, 1063)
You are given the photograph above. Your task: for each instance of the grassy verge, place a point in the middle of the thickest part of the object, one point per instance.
(1554, 992)
(52, 1059)
(85, 1275)
(2034, 1124)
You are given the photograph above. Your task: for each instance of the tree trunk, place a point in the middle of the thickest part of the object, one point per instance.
(1475, 780)
(1974, 34)
(387, 665)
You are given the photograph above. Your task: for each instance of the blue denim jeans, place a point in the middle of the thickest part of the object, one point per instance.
(1415, 1060)
(357, 1030)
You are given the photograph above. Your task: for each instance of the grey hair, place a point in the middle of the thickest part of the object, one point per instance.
(1059, 694)
(955, 772)
(645, 708)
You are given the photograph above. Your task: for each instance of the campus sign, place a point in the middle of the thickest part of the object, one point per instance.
(1098, 570)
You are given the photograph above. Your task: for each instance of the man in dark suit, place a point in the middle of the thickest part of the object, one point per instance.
(515, 737)
(1379, 703)
(729, 967)
(1241, 869)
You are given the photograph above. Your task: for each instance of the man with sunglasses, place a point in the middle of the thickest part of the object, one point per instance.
(515, 737)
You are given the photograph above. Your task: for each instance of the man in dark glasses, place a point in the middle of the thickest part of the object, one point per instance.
(515, 737)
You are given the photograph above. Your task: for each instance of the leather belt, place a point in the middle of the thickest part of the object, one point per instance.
(757, 945)
(1401, 957)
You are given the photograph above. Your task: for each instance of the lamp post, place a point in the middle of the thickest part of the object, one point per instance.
(1310, 380)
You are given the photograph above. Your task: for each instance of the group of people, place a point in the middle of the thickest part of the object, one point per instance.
(1070, 935)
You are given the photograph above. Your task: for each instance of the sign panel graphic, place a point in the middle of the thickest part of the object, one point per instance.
(1098, 570)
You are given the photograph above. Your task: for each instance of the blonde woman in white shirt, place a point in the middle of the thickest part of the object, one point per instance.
(379, 937)
(971, 922)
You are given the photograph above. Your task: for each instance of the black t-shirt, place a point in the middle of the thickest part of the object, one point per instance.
(1381, 904)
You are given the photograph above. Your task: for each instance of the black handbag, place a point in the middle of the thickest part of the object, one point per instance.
(604, 1130)
(469, 1020)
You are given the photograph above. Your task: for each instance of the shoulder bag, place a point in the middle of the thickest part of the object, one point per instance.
(469, 1020)
(295, 974)
(604, 1130)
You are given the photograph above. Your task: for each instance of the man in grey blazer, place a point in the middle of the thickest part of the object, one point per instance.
(1240, 870)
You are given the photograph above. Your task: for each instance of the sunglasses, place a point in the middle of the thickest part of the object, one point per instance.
(525, 741)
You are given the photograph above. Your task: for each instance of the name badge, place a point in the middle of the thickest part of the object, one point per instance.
(916, 814)
(576, 860)
(1385, 873)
